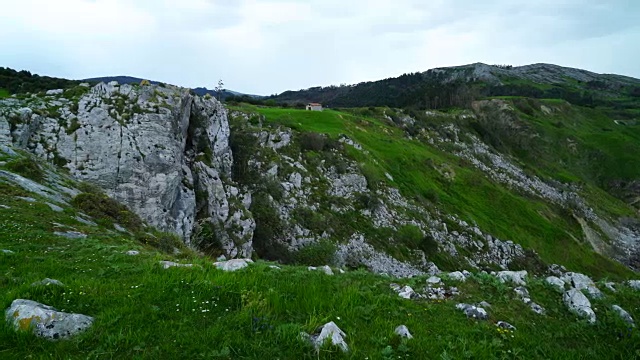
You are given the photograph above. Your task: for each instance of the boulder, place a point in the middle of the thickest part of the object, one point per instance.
(329, 332)
(403, 331)
(48, 282)
(169, 264)
(582, 282)
(405, 292)
(610, 286)
(536, 308)
(233, 264)
(575, 300)
(434, 280)
(71, 234)
(45, 321)
(133, 252)
(634, 284)
(505, 325)
(457, 276)
(556, 282)
(472, 311)
(5, 251)
(515, 277)
(325, 269)
(623, 315)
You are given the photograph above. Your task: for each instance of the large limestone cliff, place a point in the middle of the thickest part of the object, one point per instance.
(158, 149)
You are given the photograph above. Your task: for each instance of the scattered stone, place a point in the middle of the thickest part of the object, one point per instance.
(221, 258)
(4, 207)
(523, 293)
(118, 227)
(515, 277)
(325, 269)
(133, 252)
(575, 300)
(274, 267)
(27, 199)
(505, 325)
(457, 276)
(47, 282)
(71, 234)
(168, 264)
(329, 331)
(610, 286)
(233, 264)
(341, 271)
(405, 292)
(85, 221)
(582, 282)
(434, 280)
(556, 282)
(624, 315)
(55, 207)
(8, 252)
(45, 321)
(441, 293)
(473, 311)
(484, 304)
(536, 308)
(634, 284)
(54, 92)
(403, 331)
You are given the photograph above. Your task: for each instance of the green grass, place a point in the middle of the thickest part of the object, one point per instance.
(142, 311)
(504, 213)
(4, 93)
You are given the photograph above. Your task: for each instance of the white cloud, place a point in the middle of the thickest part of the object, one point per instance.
(268, 46)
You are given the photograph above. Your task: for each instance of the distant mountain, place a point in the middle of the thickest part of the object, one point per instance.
(199, 90)
(459, 86)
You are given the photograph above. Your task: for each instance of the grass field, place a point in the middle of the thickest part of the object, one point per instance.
(145, 312)
(4, 93)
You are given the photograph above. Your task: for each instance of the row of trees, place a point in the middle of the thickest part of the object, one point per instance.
(19, 82)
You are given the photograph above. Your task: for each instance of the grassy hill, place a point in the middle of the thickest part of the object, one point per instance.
(144, 311)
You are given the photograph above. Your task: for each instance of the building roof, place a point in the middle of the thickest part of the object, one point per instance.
(315, 104)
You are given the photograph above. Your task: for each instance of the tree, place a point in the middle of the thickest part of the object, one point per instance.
(219, 89)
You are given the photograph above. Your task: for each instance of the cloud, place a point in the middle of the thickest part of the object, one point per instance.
(268, 46)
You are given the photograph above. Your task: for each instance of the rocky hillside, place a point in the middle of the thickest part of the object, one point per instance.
(402, 193)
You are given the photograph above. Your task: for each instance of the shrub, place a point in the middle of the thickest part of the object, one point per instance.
(410, 236)
(269, 228)
(103, 207)
(162, 241)
(320, 253)
(26, 167)
(311, 141)
(204, 238)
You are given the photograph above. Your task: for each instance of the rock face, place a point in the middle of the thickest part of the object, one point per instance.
(160, 150)
(579, 304)
(45, 321)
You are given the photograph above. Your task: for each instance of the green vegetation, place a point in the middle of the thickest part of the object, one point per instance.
(104, 208)
(413, 165)
(4, 93)
(142, 311)
(27, 167)
(20, 82)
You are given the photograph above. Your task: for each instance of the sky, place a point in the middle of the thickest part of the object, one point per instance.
(268, 46)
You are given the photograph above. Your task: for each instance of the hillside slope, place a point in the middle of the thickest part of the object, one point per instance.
(142, 310)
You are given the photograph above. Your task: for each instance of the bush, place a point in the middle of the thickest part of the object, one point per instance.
(103, 207)
(269, 228)
(317, 254)
(312, 141)
(162, 241)
(27, 167)
(410, 236)
(204, 238)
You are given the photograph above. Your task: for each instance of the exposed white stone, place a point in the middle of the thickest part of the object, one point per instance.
(575, 300)
(623, 315)
(233, 264)
(55, 207)
(8, 252)
(634, 284)
(505, 325)
(70, 234)
(403, 331)
(329, 333)
(515, 277)
(457, 276)
(556, 282)
(48, 282)
(582, 282)
(133, 252)
(45, 321)
(473, 311)
(169, 264)
(434, 280)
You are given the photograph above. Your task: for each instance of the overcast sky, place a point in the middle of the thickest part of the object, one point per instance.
(269, 46)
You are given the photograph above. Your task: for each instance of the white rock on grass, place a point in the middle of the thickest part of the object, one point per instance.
(634, 284)
(133, 252)
(71, 234)
(329, 333)
(48, 282)
(45, 321)
(556, 282)
(580, 281)
(505, 325)
(55, 207)
(457, 276)
(434, 280)
(472, 311)
(623, 315)
(325, 269)
(610, 286)
(515, 277)
(233, 264)
(403, 331)
(5, 251)
(575, 300)
(169, 264)
(405, 292)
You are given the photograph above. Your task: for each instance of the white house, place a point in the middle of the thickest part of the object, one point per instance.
(314, 107)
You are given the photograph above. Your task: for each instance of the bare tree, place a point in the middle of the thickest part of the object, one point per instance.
(219, 89)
